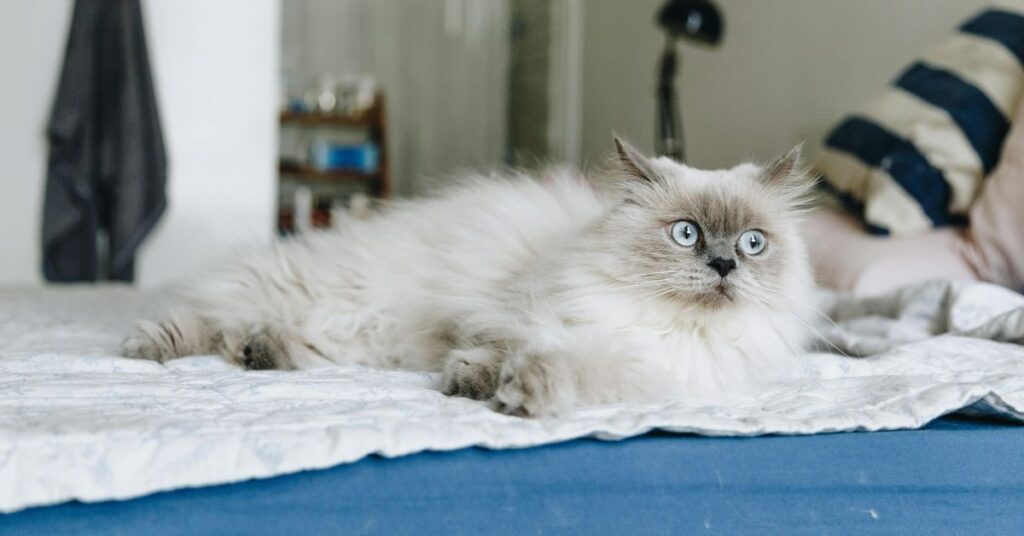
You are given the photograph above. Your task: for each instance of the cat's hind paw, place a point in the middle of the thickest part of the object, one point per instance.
(263, 350)
(148, 341)
(535, 385)
(140, 347)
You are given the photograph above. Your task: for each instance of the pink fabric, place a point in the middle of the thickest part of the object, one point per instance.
(848, 258)
(994, 244)
(992, 249)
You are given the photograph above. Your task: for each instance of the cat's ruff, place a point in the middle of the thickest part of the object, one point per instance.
(537, 295)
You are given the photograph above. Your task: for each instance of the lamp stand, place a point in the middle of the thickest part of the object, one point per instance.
(670, 130)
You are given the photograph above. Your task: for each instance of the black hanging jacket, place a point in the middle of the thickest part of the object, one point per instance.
(105, 184)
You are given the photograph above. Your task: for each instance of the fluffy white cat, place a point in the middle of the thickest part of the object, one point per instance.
(537, 295)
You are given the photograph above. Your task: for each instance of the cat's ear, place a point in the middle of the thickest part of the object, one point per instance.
(633, 163)
(786, 168)
(789, 175)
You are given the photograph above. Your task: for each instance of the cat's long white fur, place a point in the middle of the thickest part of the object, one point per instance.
(522, 284)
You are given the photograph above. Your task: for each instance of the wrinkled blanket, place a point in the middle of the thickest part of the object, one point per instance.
(77, 422)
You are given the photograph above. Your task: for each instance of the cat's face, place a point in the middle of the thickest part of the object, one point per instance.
(710, 239)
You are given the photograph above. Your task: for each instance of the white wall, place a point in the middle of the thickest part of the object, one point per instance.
(786, 70)
(31, 45)
(216, 71)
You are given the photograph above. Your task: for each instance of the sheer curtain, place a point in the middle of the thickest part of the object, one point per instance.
(442, 64)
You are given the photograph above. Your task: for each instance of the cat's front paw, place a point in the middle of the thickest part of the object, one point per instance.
(535, 385)
(471, 373)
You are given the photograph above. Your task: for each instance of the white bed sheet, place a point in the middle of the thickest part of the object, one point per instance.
(77, 422)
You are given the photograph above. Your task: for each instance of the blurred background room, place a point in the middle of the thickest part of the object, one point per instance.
(274, 113)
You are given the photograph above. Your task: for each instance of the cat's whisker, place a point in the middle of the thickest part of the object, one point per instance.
(660, 272)
(800, 301)
(818, 334)
(769, 287)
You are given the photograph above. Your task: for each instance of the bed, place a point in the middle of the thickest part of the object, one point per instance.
(923, 436)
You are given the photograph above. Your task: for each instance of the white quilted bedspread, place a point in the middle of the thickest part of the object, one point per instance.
(76, 422)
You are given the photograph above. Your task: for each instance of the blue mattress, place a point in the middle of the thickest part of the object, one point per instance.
(956, 476)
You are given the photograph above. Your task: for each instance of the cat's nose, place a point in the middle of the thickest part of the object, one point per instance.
(722, 266)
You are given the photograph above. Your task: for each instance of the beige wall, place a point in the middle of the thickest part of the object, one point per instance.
(786, 70)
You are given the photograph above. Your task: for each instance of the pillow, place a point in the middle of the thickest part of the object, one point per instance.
(991, 249)
(995, 239)
(915, 157)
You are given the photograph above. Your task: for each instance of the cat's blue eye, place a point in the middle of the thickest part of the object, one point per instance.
(685, 233)
(752, 242)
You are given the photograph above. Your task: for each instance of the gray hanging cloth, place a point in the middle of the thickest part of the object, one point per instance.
(107, 171)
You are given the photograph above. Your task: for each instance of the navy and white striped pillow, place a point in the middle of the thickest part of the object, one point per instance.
(915, 158)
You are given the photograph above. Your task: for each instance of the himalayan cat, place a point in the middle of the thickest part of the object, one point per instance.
(536, 295)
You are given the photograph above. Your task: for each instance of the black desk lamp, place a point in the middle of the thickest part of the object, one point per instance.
(698, 21)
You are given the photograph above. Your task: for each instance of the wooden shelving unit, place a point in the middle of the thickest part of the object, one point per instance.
(371, 120)
(311, 173)
(366, 119)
